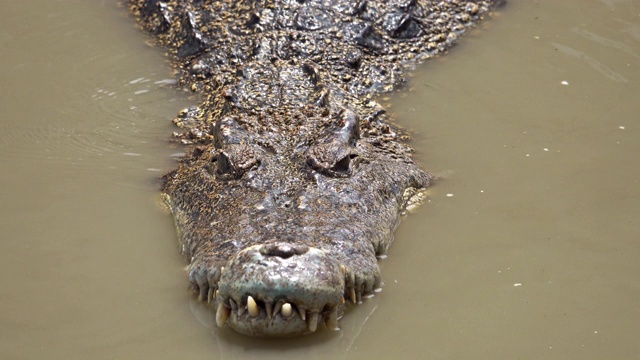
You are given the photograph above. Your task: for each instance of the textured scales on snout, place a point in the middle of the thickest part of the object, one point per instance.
(294, 179)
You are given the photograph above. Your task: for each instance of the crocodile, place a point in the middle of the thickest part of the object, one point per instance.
(294, 177)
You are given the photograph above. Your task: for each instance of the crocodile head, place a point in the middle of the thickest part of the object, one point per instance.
(282, 230)
(286, 199)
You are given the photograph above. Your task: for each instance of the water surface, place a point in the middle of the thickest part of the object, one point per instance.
(527, 248)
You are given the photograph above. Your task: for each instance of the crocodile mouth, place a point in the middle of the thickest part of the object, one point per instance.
(280, 289)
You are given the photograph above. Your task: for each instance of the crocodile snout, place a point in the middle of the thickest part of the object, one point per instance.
(281, 289)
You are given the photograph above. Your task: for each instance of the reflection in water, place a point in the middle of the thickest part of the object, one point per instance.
(69, 135)
(234, 346)
(535, 255)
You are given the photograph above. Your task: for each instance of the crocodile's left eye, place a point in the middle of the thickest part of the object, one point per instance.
(344, 165)
(337, 155)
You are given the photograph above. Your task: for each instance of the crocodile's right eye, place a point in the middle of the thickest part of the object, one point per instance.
(233, 162)
(225, 166)
(222, 167)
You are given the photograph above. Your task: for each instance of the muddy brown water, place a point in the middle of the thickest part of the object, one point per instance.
(528, 247)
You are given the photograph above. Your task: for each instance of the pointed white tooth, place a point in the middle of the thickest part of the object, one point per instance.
(343, 269)
(254, 310)
(277, 308)
(303, 313)
(312, 321)
(353, 296)
(203, 293)
(210, 295)
(269, 308)
(331, 319)
(222, 315)
(287, 310)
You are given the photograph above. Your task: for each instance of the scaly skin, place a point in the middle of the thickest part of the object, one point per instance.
(294, 180)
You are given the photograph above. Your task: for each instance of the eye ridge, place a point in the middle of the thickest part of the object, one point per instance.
(222, 167)
(225, 165)
(225, 168)
(338, 169)
(344, 165)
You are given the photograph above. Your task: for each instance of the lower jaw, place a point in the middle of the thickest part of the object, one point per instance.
(295, 324)
(276, 326)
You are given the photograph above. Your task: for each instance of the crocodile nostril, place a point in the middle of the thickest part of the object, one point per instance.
(284, 251)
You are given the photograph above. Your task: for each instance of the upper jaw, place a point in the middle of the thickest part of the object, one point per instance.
(280, 289)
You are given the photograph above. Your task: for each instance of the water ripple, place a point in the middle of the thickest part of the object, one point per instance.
(595, 64)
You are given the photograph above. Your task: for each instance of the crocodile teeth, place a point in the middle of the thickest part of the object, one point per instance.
(303, 313)
(287, 310)
(233, 304)
(277, 308)
(312, 321)
(222, 315)
(331, 319)
(377, 282)
(269, 308)
(354, 299)
(241, 310)
(210, 295)
(203, 293)
(253, 308)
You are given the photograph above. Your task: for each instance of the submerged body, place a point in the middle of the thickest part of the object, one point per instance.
(294, 180)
